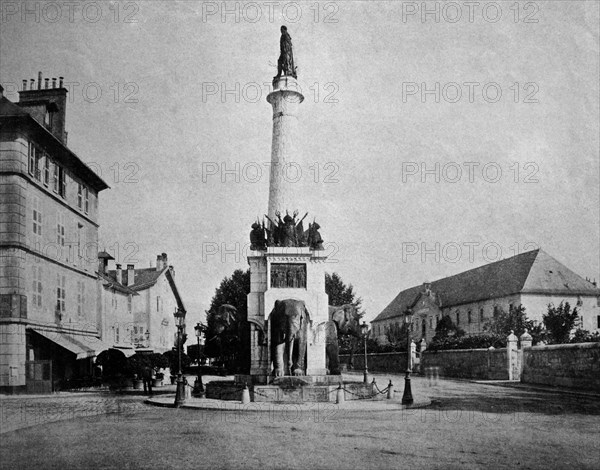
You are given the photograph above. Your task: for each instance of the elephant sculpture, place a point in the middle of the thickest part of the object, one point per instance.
(289, 321)
(343, 320)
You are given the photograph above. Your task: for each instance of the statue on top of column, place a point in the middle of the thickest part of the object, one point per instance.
(285, 64)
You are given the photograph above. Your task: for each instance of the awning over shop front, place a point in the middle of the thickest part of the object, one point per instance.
(128, 352)
(80, 345)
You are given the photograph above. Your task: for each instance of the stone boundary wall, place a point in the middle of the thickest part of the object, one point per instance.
(482, 364)
(565, 365)
(377, 362)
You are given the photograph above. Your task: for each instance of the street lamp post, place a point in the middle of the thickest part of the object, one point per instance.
(407, 398)
(364, 329)
(180, 390)
(199, 386)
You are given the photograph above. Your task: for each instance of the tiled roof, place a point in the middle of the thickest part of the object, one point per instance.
(113, 284)
(534, 272)
(144, 278)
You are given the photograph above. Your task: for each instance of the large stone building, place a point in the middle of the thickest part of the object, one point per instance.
(60, 306)
(533, 279)
(48, 244)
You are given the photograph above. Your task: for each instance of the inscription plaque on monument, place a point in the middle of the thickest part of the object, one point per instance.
(286, 275)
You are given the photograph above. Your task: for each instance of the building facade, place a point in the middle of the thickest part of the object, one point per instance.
(48, 244)
(60, 305)
(533, 279)
(155, 299)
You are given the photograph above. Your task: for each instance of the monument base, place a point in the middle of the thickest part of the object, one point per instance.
(291, 389)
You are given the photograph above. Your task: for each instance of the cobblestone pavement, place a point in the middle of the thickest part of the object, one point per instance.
(468, 425)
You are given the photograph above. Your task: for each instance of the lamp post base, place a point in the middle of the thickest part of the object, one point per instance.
(407, 398)
(366, 376)
(180, 391)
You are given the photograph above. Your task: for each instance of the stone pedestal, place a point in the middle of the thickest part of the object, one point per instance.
(264, 291)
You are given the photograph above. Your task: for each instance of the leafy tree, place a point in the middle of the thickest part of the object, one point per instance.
(446, 328)
(584, 336)
(397, 336)
(559, 322)
(172, 359)
(234, 291)
(514, 320)
(340, 293)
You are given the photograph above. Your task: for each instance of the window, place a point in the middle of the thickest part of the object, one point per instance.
(80, 300)
(35, 155)
(46, 171)
(158, 303)
(481, 314)
(469, 319)
(79, 196)
(60, 295)
(86, 205)
(510, 307)
(62, 182)
(37, 217)
(47, 118)
(430, 322)
(117, 334)
(36, 298)
(598, 320)
(60, 229)
(55, 175)
(457, 318)
(129, 306)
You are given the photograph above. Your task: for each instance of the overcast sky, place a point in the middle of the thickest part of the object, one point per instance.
(528, 157)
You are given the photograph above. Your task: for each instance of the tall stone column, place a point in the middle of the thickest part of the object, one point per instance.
(285, 99)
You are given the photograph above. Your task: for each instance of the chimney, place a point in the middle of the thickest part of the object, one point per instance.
(130, 275)
(164, 258)
(119, 274)
(172, 269)
(38, 101)
(159, 264)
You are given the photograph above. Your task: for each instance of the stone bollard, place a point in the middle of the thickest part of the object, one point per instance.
(245, 395)
(339, 398)
(390, 394)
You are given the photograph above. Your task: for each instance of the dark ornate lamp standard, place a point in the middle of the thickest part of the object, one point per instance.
(364, 330)
(199, 386)
(180, 323)
(407, 397)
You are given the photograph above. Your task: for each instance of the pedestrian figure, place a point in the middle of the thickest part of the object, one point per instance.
(147, 377)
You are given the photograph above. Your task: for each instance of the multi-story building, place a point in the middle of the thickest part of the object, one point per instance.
(154, 302)
(48, 244)
(115, 310)
(533, 279)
